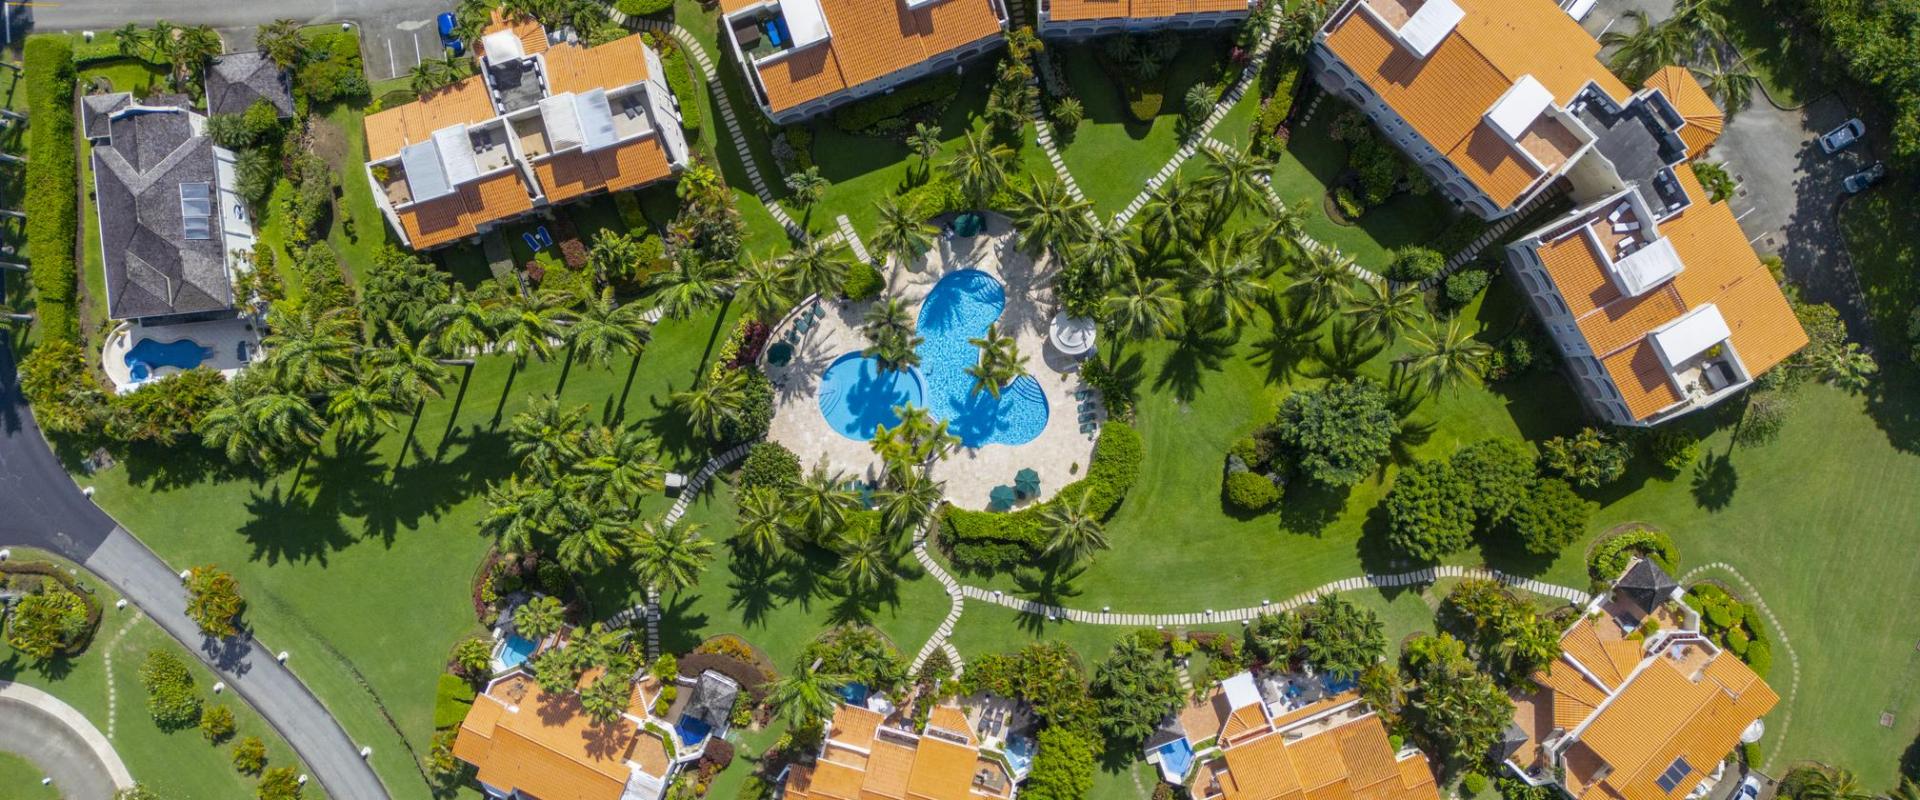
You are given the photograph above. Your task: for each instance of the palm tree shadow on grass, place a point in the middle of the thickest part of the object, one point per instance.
(1193, 356)
(287, 525)
(1714, 481)
(680, 626)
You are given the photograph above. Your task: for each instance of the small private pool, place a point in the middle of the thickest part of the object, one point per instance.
(856, 395)
(1019, 753)
(147, 354)
(514, 651)
(691, 730)
(1175, 758)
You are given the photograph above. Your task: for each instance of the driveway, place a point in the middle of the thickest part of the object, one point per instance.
(1789, 194)
(1607, 14)
(61, 742)
(41, 507)
(394, 34)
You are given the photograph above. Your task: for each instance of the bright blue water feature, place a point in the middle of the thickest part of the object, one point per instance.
(691, 729)
(516, 652)
(1020, 755)
(854, 693)
(856, 395)
(147, 354)
(1175, 757)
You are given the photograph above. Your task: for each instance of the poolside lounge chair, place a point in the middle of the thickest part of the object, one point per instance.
(1082, 394)
(531, 242)
(546, 239)
(805, 324)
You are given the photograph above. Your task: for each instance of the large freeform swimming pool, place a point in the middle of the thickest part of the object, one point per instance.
(147, 354)
(856, 395)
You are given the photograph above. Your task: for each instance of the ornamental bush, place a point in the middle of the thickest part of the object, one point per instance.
(863, 283)
(1498, 472)
(756, 412)
(641, 8)
(250, 755)
(170, 694)
(1414, 263)
(1337, 434)
(1551, 517)
(213, 600)
(986, 541)
(1591, 459)
(1473, 784)
(1611, 555)
(1462, 287)
(47, 623)
(51, 202)
(1429, 511)
(1063, 766)
(769, 464)
(216, 723)
(887, 112)
(1250, 492)
(679, 79)
(279, 783)
(1674, 448)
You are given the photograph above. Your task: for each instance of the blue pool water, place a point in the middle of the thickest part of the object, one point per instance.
(854, 693)
(1175, 757)
(692, 730)
(516, 652)
(958, 309)
(856, 395)
(147, 354)
(1020, 755)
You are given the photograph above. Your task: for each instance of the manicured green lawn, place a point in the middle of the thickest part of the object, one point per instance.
(763, 233)
(1111, 155)
(1313, 161)
(20, 778)
(178, 763)
(358, 230)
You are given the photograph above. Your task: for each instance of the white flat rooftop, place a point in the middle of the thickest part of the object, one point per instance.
(1430, 25)
(1241, 691)
(805, 21)
(1691, 335)
(1523, 103)
(1647, 267)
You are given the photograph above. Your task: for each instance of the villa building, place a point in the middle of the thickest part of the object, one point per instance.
(174, 232)
(1640, 705)
(1654, 298)
(1265, 737)
(1085, 19)
(867, 755)
(544, 123)
(236, 81)
(803, 57)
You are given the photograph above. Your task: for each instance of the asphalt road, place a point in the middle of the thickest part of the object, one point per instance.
(41, 507)
(395, 34)
(53, 745)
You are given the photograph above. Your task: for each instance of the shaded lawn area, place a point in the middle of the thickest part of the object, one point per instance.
(174, 763)
(764, 235)
(362, 570)
(1785, 61)
(358, 230)
(1111, 155)
(1313, 161)
(1882, 230)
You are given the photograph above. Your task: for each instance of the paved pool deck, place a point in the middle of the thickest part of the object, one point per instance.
(223, 336)
(1060, 453)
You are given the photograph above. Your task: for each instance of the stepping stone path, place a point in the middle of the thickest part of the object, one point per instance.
(651, 609)
(851, 238)
(1751, 595)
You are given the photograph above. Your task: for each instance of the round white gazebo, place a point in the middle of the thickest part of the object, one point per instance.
(1072, 336)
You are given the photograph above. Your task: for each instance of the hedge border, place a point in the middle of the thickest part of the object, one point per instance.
(52, 205)
(86, 595)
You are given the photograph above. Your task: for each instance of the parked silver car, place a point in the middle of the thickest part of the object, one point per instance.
(1841, 138)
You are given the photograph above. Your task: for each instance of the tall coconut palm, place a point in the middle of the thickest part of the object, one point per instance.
(1073, 529)
(1386, 310)
(1050, 219)
(192, 48)
(765, 519)
(805, 696)
(1447, 359)
(806, 188)
(1730, 82)
(889, 314)
(1000, 362)
(516, 513)
(1647, 47)
(359, 410)
(822, 503)
(901, 234)
(312, 351)
(225, 428)
(428, 75)
(889, 331)
(1223, 284)
(869, 559)
(1168, 214)
(980, 167)
(132, 40)
(618, 466)
(761, 287)
(817, 267)
(1281, 235)
(669, 558)
(282, 422)
(1109, 252)
(1145, 308)
(281, 41)
(404, 369)
(690, 286)
(907, 498)
(529, 324)
(918, 438)
(1834, 783)
(540, 617)
(603, 328)
(586, 540)
(710, 406)
(546, 436)
(924, 142)
(465, 323)
(1233, 182)
(1321, 279)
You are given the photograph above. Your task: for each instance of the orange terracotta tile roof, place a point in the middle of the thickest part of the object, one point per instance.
(623, 166)
(572, 68)
(464, 102)
(521, 738)
(1719, 267)
(941, 770)
(1664, 714)
(1074, 10)
(1604, 655)
(533, 37)
(1446, 95)
(952, 720)
(871, 39)
(1703, 120)
(859, 761)
(458, 215)
(1350, 760)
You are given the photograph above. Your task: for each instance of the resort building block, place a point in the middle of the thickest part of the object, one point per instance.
(1640, 705)
(1272, 736)
(869, 755)
(803, 57)
(543, 123)
(1084, 19)
(1654, 298)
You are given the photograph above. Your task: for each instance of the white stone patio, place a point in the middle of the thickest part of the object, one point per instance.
(234, 342)
(1060, 453)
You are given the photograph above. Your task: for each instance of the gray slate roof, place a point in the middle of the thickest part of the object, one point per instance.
(152, 269)
(1647, 584)
(94, 110)
(236, 80)
(712, 700)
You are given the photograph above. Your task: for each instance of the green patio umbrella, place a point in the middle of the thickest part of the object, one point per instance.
(1027, 481)
(1001, 498)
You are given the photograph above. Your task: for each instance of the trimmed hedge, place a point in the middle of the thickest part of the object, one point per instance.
(986, 541)
(53, 210)
(863, 283)
(1611, 556)
(680, 80)
(886, 112)
(641, 8)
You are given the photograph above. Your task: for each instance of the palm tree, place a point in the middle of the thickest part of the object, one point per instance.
(1848, 367)
(816, 268)
(690, 286)
(529, 323)
(1000, 361)
(889, 328)
(669, 558)
(1437, 362)
(403, 369)
(132, 41)
(1050, 218)
(587, 540)
(312, 351)
(428, 75)
(603, 328)
(282, 422)
(822, 502)
(1073, 529)
(546, 436)
(1166, 214)
(617, 465)
(918, 439)
(909, 495)
(1280, 236)
(605, 701)
(806, 188)
(710, 406)
(1732, 83)
(1386, 310)
(764, 521)
(465, 323)
(901, 235)
(761, 287)
(1834, 783)
(359, 410)
(925, 142)
(980, 167)
(1647, 47)
(613, 254)
(1108, 251)
(282, 42)
(1223, 283)
(540, 617)
(225, 428)
(1146, 308)
(805, 697)
(1322, 279)
(516, 513)
(192, 48)
(869, 560)
(1233, 182)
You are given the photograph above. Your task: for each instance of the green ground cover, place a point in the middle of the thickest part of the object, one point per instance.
(20, 778)
(1879, 227)
(358, 230)
(1111, 155)
(177, 763)
(763, 233)
(1786, 63)
(1313, 161)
